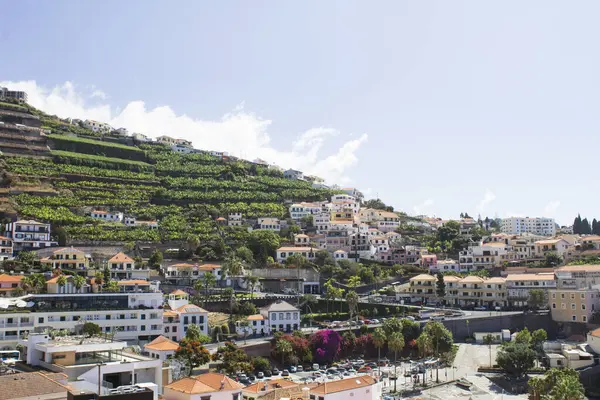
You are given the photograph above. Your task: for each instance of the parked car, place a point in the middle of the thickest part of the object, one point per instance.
(315, 367)
(323, 367)
(299, 368)
(268, 374)
(293, 368)
(331, 371)
(365, 368)
(480, 308)
(275, 372)
(251, 377)
(260, 375)
(375, 321)
(285, 373)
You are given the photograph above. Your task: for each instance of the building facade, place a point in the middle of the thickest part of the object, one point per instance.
(538, 226)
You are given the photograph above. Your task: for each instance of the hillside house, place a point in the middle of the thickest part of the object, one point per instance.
(29, 234)
(234, 219)
(8, 284)
(276, 317)
(293, 174)
(555, 246)
(161, 348)
(283, 253)
(107, 216)
(185, 273)
(270, 224)
(67, 258)
(208, 386)
(97, 126)
(122, 266)
(181, 315)
(6, 248)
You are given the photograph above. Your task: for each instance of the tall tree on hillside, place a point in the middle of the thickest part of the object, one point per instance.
(586, 229)
(595, 227)
(440, 287)
(577, 225)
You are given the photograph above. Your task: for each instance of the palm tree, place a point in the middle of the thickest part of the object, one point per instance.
(568, 388)
(488, 340)
(208, 280)
(252, 281)
(379, 341)
(352, 300)
(283, 347)
(78, 282)
(396, 343)
(112, 286)
(99, 279)
(39, 282)
(61, 282)
(354, 281)
(27, 283)
(424, 343)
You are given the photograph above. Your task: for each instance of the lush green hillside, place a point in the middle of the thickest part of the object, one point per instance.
(185, 193)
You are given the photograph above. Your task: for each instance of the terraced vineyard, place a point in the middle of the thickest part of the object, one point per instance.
(185, 193)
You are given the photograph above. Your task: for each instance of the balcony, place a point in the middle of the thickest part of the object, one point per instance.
(28, 323)
(11, 337)
(10, 325)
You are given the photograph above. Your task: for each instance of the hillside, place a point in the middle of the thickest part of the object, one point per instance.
(59, 177)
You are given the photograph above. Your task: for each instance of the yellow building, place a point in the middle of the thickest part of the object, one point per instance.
(573, 305)
(68, 257)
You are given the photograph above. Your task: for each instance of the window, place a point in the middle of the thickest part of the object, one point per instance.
(574, 318)
(553, 305)
(584, 318)
(572, 306)
(562, 295)
(40, 320)
(274, 316)
(143, 316)
(572, 296)
(563, 306)
(582, 295)
(174, 329)
(583, 306)
(185, 320)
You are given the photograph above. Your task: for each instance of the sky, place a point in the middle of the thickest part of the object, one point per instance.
(435, 107)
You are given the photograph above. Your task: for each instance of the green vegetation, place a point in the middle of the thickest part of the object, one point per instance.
(68, 157)
(96, 147)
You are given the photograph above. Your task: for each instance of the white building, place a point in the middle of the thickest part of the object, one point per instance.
(301, 210)
(132, 316)
(209, 386)
(140, 137)
(161, 348)
(181, 315)
(234, 219)
(182, 273)
(551, 246)
(179, 148)
(122, 266)
(122, 131)
(363, 387)
(519, 287)
(6, 248)
(322, 221)
(340, 255)
(444, 266)
(107, 215)
(96, 126)
(279, 316)
(283, 253)
(539, 226)
(293, 174)
(271, 224)
(29, 234)
(92, 360)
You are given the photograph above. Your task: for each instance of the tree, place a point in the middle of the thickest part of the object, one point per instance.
(538, 337)
(577, 225)
(563, 384)
(156, 258)
(537, 298)
(586, 229)
(232, 266)
(441, 340)
(326, 345)
(440, 287)
(245, 254)
(193, 333)
(424, 344)
(595, 227)
(61, 235)
(410, 329)
(352, 301)
(192, 353)
(523, 336)
(263, 244)
(111, 286)
(208, 280)
(516, 358)
(488, 340)
(552, 260)
(78, 281)
(354, 281)
(252, 281)
(323, 257)
(61, 281)
(379, 341)
(91, 329)
(392, 325)
(283, 348)
(396, 343)
(261, 364)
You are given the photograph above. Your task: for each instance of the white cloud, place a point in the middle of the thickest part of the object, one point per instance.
(239, 132)
(551, 208)
(488, 197)
(421, 209)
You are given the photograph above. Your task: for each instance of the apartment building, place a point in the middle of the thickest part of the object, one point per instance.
(29, 235)
(301, 210)
(444, 266)
(465, 260)
(270, 224)
(573, 305)
(322, 221)
(293, 174)
(13, 94)
(181, 315)
(490, 255)
(519, 287)
(185, 273)
(6, 248)
(67, 258)
(98, 361)
(97, 126)
(577, 276)
(234, 219)
(285, 252)
(9, 283)
(518, 225)
(131, 316)
(122, 266)
(556, 246)
(471, 291)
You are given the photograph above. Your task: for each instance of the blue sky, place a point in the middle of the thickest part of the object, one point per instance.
(438, 107)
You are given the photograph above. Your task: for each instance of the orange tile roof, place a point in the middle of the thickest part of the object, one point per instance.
(55, 279)
(182, 265)
(256, 317)
(32, 385)
(495, 244)
(178, 292)
(5, 238)
(549, 241)
(594, 238)
(471, 279)
(205, 383)
(343, 385)
(530, 277)
(121, 257)
(595, 332)
(423, 277)
(209, 267)
(162, 343)
(579, 268)
(190, 309)
(300, 249)
(259, 387)
(138, 282)
(169, 313)
(10, 278)
(68, 250)
(495, 280)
